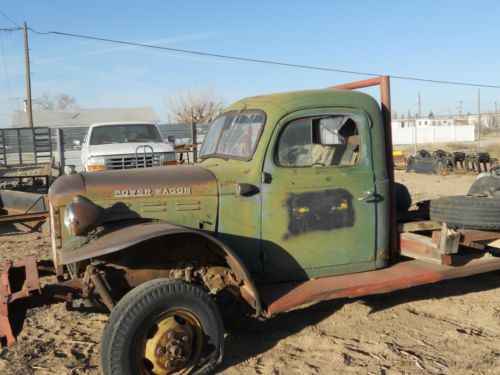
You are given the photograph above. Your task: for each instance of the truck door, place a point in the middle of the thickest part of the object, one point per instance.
(318, 198)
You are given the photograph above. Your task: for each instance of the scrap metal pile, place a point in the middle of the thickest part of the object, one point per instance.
(442, 162)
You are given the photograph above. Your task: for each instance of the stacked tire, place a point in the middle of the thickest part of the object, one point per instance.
(480, 209)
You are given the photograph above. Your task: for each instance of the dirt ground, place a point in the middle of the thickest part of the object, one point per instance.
(448, 328)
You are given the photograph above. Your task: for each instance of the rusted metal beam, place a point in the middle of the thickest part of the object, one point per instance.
(7, 295)
(470, 236)
(23, 218)
(406, 274)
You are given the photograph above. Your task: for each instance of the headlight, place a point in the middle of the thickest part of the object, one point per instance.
(96, 164)
(167, 158)
(82, 216)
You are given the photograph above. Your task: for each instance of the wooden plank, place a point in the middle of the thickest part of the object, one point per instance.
(495, 244)
(449, 240)
(415, 226)
(416, 246)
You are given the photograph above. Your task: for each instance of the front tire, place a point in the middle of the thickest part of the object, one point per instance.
(163, 326)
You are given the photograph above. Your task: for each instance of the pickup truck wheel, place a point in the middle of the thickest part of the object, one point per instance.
(467, 212)
(163, 326)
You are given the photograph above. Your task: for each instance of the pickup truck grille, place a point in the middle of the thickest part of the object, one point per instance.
(131, 161)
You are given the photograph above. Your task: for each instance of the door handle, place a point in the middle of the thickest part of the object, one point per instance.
(246, 190)
(367, 195)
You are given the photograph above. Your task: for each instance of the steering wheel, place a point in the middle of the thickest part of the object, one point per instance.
(295, 152)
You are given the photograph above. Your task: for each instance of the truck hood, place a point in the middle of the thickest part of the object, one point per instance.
(183, 195)
(126, 148)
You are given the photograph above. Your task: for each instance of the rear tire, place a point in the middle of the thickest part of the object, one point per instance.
(163, 326)
(467, 212)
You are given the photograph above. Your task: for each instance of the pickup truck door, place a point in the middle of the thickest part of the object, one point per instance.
(318, 198)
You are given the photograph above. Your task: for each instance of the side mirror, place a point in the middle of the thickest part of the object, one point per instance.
(77, 145)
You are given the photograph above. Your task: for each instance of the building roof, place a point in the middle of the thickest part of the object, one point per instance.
(84, 117)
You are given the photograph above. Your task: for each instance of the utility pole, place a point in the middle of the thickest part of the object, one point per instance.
(496, 114)
(478, 119)
(460, 108)
(419, 106)
(193, 137)
(29, 107)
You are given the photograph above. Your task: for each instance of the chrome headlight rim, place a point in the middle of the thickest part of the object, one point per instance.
(69, 217)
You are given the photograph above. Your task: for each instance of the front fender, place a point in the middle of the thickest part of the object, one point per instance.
(132, 234)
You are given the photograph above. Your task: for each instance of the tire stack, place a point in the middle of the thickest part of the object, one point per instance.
(479, 209)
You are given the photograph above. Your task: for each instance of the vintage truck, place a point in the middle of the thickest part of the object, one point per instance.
(292, 202)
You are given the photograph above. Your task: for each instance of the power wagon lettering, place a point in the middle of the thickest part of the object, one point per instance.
(125, 193)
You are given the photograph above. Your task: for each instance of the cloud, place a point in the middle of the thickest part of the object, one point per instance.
(156, 42)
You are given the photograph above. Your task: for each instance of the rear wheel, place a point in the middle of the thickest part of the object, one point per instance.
(161, 327)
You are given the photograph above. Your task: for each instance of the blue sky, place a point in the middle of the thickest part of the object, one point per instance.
(446, 40)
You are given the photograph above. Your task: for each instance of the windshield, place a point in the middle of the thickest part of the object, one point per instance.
(107, 134)
(233, 134)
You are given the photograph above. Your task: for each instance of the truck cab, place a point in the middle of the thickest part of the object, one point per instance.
(302, 183)
(123, 145)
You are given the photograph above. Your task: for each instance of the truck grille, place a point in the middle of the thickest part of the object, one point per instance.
(131, 161)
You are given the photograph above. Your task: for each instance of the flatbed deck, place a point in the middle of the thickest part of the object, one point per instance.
(405, 274)
(35, 170)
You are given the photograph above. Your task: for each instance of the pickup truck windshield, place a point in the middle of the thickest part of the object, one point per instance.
(233, 135)
(107, 134)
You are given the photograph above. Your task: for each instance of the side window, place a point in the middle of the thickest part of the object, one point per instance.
(318, 142)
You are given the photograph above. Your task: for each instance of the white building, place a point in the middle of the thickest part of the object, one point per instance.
(398, 123)
(423, 122)
(488, 120)
(435, 121)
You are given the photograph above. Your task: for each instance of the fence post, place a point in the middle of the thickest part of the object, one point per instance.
(20, 149)
(60, 148)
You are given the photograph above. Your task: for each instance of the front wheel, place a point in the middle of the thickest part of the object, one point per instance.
(163, 326)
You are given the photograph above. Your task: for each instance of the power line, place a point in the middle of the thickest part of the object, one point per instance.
(7, 80)
(262, 61)
(10, 19)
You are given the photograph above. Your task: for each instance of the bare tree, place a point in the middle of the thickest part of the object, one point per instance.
(44, 101)
(65, 101)
(61, 101)
(195, 105)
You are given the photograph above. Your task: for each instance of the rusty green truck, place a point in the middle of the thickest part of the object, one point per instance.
(292, 202)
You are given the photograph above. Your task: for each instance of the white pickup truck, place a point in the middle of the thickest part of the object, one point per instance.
(124, 145)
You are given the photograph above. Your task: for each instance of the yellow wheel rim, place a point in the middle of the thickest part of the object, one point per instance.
(171, 343)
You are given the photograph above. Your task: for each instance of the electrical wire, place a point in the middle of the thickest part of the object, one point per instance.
(10, 19)
(253, 60)
(262, 61)
(7, 80)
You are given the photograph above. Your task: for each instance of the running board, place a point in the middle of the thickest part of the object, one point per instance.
(406, 274)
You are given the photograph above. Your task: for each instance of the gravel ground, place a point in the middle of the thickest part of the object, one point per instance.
(448, 328)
